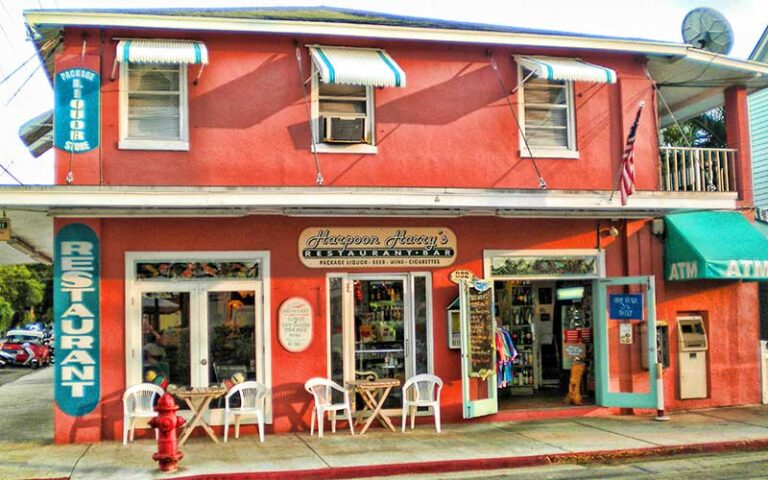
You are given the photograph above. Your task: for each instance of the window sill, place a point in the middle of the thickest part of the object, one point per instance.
(550, 153)
(175, 145)
(357, 148)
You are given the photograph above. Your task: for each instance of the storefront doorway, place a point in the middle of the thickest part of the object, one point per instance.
(539, 318)
(195, 322)
(380, 327)
(549, 324)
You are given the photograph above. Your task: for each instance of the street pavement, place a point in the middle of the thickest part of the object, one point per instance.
(11, 374)
(26, 449)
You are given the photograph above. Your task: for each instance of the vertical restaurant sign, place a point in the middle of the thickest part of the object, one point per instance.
(76, 318)
(363, 247)
(76, 113)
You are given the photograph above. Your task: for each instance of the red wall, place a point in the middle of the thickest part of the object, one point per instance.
(450, 126)
(729, 307)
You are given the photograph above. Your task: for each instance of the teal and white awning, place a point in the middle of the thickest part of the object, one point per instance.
(714, 245)
(357, 66)
(162, 51)
(561, 68)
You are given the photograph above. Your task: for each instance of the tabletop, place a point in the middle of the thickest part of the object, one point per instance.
(379, 383)
(197, 391)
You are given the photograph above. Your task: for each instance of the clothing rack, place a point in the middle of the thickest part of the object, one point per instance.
(506, 353)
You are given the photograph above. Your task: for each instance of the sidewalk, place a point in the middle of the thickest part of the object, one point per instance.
(458, 448)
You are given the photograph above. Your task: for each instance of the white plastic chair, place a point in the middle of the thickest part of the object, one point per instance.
(252, 395)
(139, 402)
(426, 393)
(322, 391)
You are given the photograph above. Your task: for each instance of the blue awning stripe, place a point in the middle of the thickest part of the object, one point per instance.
(391, 67)
(328, 65)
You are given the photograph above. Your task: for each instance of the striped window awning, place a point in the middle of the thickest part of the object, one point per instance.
(162, 51)
(357, 66)
(560, 68)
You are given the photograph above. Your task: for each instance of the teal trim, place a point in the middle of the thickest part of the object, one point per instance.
(126, 48)
(198, 53)
(392, 67)
(327, 62)
(548, 67)
(604, 396)
(714, 245)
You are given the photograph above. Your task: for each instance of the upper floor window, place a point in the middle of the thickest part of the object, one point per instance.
(548, 118)
(345, 117)
(153, 109)
(154, 112)
(547, 105)
(343, 81)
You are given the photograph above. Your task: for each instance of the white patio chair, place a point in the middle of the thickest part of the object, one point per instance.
(425, 390)
(139, 402)
(252, 395)
(322, 390)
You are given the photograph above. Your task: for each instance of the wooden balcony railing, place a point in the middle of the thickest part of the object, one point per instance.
(685, 169)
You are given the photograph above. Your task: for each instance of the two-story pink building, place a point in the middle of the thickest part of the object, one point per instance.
(289, 193)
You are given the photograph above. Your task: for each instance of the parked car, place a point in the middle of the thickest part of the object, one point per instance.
(25, 348)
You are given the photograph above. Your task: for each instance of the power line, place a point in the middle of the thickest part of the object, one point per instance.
(10, 174)
(26, 80)
(43, 48)
(47, 56)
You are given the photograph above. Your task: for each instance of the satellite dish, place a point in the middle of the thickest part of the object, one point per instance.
(708, 29)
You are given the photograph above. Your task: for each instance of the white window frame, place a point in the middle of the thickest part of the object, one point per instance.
(355, 148)
(571, 151)
(179, 144)
(134, 288)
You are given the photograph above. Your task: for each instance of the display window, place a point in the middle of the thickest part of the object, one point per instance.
(380, 327)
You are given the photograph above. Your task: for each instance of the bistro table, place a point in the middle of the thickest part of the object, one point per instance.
(198, 400)
(374, 393)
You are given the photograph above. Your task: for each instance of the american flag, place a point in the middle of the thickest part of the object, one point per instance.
(628, 160)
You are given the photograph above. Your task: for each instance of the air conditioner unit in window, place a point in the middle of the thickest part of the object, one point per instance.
(343, 129)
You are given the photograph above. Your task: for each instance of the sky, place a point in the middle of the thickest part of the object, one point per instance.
(27, 92)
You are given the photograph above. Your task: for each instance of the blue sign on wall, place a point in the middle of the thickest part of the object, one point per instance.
(626, 306)
(76, 318)
(76, 112)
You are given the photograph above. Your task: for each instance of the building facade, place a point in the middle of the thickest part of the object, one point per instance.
(282, 196)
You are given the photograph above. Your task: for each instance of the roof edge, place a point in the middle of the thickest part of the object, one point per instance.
(41, 19)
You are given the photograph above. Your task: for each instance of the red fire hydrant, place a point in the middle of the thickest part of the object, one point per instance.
(166, 422)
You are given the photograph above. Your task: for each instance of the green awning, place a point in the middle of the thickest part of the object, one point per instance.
(714, 245)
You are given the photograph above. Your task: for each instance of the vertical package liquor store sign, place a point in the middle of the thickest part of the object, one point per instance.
(76, 117)
(76, 318)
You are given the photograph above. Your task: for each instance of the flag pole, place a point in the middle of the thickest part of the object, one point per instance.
(628, 146)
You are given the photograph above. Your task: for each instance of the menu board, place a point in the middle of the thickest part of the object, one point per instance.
(480, 332)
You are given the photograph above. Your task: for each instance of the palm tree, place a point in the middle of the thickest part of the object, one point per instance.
(704, 131)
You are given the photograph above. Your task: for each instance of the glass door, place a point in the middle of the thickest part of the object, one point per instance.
(382, 331)
(625, 305)
(167, 325)
(230, 335)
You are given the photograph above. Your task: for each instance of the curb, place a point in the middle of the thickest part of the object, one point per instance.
(447, 466)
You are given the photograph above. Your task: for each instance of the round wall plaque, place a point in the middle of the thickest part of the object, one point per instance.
(295, 324)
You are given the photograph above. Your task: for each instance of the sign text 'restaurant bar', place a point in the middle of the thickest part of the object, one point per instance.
(361, 247)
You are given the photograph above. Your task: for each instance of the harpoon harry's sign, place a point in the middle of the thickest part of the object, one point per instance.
(361, 247)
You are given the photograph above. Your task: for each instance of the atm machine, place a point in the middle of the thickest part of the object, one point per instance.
(692, 355)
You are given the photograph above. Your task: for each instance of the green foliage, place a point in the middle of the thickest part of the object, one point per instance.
(6, 314)
(22, 289)
(704, 131)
